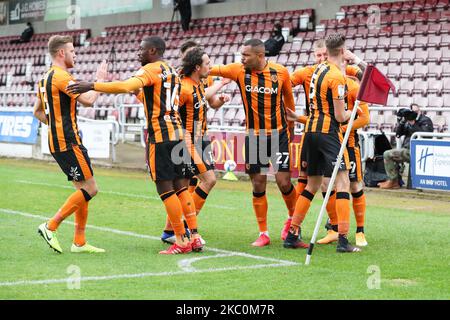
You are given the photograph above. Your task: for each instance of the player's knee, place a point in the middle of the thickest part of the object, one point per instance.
(355, 187)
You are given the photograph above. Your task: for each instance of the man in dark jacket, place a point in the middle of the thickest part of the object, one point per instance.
(274, 44)
(409, 121)
(26, 36)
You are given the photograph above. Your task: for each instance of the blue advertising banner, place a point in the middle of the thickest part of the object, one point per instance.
(430, 164)
(18, 127)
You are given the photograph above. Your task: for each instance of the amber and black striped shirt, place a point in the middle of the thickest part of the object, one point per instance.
(265, 95)
(327, 84)
(193, 107)
(60, 108)
(160, 97)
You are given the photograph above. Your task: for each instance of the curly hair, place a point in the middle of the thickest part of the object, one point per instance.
(192, 59)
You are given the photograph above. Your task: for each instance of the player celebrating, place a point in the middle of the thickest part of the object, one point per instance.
(197, 89)
(266, 91)
(160, 86)
(57, 107)
(323, 141)
(355, 173)
(302, 77)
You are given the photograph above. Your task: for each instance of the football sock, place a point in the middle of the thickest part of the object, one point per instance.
(290, 198)
(343, 212)
(80, 225)
(74, 202)
(168, 226)
(199, 197)
(260, 207)
(301, 208)
(359, 208)
(331, 207)
(174, 211)
(192, 184)
(301, 185)
(188, 208)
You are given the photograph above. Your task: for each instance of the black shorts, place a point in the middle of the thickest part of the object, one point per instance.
(200, 157)
(355, 173)
(321, 153)
(303, 163)
(262, 151)
(165, 160)
(75, 163)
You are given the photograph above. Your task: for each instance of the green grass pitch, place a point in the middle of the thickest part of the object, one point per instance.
(407, 258)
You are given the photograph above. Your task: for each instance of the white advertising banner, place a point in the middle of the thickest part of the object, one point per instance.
(95, 138)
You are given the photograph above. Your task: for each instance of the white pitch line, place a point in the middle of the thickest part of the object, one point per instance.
(185, 263)
(124, 194)
(139, 275)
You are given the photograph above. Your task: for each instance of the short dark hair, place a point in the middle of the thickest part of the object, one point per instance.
(334, 42)
(193, 58)
(187, 45)
(157, 43)
(254, 43)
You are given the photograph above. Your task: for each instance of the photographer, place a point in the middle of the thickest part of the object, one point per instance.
(408, 121)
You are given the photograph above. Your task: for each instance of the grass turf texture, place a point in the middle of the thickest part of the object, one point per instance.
(408, 242)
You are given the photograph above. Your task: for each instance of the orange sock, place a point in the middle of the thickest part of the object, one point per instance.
(331, 208)
(174, 211)
(301, 209)
(260, 207)
(75, 201)
(192, 184)
(290, 198)
(301, 185)
(199, 197)
(343, 212)
(359, 207)
(168, 225)
(80, 225)
(188, 209)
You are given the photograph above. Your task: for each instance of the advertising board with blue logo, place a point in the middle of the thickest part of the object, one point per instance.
(18, 127)
(430, 164)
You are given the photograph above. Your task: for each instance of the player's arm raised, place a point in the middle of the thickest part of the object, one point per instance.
(230, 71)
(88, 99)
(141, 79)
(39, 112)
(354, 59)
(212, 90)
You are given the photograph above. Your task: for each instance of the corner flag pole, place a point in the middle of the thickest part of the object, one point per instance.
(331, 184)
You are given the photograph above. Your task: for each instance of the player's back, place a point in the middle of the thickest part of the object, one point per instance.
(160, 98)
(327, 84)
(60, 108)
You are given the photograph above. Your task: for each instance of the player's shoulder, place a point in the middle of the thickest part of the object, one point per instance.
(278, 67)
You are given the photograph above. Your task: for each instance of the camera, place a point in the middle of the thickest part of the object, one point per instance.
(405, 114)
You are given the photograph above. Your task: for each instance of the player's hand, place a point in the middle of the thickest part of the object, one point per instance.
(102, 71)
(343, 128)
(349, 56)
(291, 115)
(224, 98)
(80, 87)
